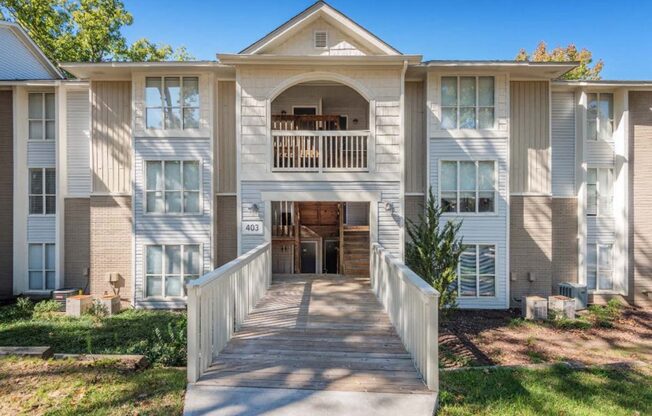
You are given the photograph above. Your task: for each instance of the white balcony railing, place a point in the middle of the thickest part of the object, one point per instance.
(320, 151)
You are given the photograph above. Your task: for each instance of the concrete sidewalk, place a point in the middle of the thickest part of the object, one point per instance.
(248, 401)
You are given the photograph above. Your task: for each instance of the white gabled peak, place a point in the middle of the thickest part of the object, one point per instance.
(20, 58)
(320, 30)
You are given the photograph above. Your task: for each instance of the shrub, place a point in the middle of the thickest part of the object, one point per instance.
(434, 252)
(46, 308)
(98, 310)
(603, 316)
(167, 347)
(23, 308)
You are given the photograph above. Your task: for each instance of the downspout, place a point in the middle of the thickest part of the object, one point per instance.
(402, 157)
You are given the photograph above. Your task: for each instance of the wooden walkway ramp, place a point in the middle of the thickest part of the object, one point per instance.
(321, 333)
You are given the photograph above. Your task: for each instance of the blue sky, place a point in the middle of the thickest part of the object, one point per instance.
(620, 33)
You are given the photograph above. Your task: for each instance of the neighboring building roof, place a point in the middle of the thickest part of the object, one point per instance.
(328, 12)
(603, 83)
(21, 58)
(517, 69)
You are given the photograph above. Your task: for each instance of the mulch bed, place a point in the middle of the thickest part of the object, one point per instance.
(485, 337)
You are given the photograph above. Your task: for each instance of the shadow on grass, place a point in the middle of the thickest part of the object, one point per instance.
(120, 334)
(557, 390)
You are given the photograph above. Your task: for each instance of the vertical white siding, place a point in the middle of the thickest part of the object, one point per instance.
(170, 229)
(78, 143)
(480, 228)
(563, 144)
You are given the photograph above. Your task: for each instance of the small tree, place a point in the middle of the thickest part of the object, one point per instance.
(434, 252)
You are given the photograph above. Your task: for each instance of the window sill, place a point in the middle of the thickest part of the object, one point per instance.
(469, 134)
(470, 214)
(201, 133)
(42, 215)
(173, 214)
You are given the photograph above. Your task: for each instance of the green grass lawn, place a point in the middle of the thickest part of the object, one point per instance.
(160, 335)
(555, 391)
(67, 387)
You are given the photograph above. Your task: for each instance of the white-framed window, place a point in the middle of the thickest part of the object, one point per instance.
(321, 39)
(600, 116)
(41, 266)
(599, 192)
(172, 103)
(172, 186)
(41, 118)
(467, 102)
(42, 191)
(467, 186)
(599, 267)
(476, 273)
(168, 267)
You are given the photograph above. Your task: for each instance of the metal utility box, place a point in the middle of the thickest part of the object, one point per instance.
(535, 308)
(563, 306)
(575, 291)
(78, 305)
(111, 303)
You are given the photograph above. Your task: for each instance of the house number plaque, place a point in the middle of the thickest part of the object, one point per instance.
(252, 228)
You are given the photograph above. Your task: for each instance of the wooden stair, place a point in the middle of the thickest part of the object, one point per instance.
(356, 253)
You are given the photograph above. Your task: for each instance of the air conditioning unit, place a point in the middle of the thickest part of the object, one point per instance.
(575, 291)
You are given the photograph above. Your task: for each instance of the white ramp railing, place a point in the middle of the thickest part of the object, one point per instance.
(219, 302)
(412, 306)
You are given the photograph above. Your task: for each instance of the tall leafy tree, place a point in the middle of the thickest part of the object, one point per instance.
(570, 53)
(83, 30)
(434, 251)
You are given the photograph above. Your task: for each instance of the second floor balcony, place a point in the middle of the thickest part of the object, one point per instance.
(302, 145)
(328, 132)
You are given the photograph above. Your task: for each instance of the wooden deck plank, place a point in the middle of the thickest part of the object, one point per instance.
(317, 333)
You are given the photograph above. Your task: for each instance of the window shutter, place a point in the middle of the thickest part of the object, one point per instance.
(321, 39)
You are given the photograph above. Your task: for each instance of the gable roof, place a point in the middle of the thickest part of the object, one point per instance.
(331, 15)
(21, 58)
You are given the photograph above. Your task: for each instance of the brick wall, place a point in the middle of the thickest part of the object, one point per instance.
(77, 242)
(564, 237)
(640, 220)
(226, 229)
(530, 247)
(6, 194)
(111, 243)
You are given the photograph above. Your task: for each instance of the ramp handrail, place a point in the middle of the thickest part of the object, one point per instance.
(412, 306)
(218, 303)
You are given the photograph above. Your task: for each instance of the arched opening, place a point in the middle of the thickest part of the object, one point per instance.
(320, 105)
(320, 125)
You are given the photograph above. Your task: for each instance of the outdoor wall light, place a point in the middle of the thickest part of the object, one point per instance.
(253, 208)
(355, 121)
(389, 207)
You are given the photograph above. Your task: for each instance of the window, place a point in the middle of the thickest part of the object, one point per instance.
(41, 116)
(600, 116)
(321, 39)
(477, 271)
(172, 103)
(599, 192)
(467, 102)
(172, 186)
(599, 267)
(42, 191)
(169, 268)
(468, 186)
(41, 266)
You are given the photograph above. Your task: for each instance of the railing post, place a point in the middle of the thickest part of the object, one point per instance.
(193, 361)
(432, 343)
